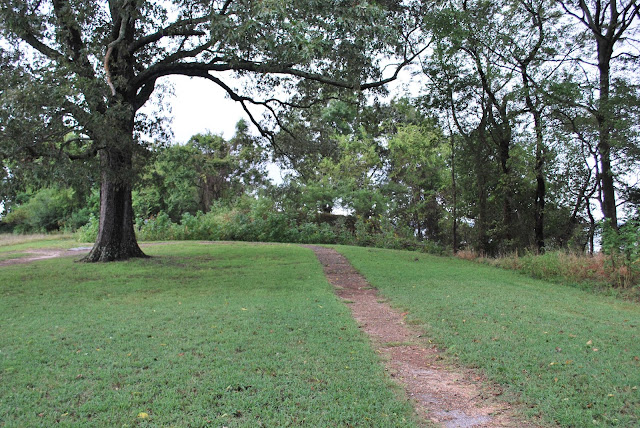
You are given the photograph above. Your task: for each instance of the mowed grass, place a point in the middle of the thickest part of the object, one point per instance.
(568, 356)
(198, 335)
(13, 256)
(13, 242)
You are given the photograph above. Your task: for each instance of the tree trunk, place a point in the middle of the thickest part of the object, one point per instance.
(454, 191)
(604, 131)
(539, 203)
(116, 236)
(481, 226)
(504, 146)
(482, 238)
(592, 230)
(539, 167)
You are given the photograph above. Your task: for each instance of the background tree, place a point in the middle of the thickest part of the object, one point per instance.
(611, 25)
(418, 168)
(208, 169)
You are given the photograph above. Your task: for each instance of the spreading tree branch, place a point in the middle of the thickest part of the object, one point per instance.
(183, 27)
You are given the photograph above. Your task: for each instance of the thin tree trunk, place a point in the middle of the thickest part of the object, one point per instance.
(539, 167)
(454, 227)
(604, 133)
(592, 230)
(504, 146)
(481, 183)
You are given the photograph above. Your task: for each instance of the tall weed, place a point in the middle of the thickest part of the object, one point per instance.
(595, 271)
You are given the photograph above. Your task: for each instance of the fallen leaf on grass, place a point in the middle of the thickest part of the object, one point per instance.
(590, 342)
(143, 415)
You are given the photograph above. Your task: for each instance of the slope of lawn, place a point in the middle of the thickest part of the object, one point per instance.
(220, 335)
(569, 356)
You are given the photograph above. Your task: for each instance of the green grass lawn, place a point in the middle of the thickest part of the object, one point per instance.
(198, 335)
(10, 242)
(569, 356)
(13, 256)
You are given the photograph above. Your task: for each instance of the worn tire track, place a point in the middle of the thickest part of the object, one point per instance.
(447, 397)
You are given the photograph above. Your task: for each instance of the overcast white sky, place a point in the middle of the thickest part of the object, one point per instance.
(200, 106)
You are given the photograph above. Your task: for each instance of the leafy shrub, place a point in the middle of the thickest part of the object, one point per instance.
(259, 220)
(47, 210)
(156, 228)
(623, 250)
(88, 232)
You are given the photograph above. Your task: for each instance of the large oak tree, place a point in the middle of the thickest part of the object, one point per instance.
(88, 66)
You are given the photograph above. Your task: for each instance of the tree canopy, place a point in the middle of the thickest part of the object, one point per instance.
(88, 67)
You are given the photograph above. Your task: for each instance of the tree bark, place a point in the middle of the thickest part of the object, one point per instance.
(541, 187)
(116, 235)
(606, 31)
(454, 191)
(504, 147)
(604, 134)
(482, 223)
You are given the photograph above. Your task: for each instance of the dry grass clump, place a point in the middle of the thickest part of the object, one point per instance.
(596, 270)
(7, 239)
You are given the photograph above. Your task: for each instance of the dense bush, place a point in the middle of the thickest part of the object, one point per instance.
(258, 220)
(47, 210)
(88, 232)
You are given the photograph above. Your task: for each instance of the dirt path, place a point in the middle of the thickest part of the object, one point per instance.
(446, 397)
(48, 253)
(42, 254)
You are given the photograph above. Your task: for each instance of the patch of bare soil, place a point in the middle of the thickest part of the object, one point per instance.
(448, 397)
(44, 253)
(41, 255)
